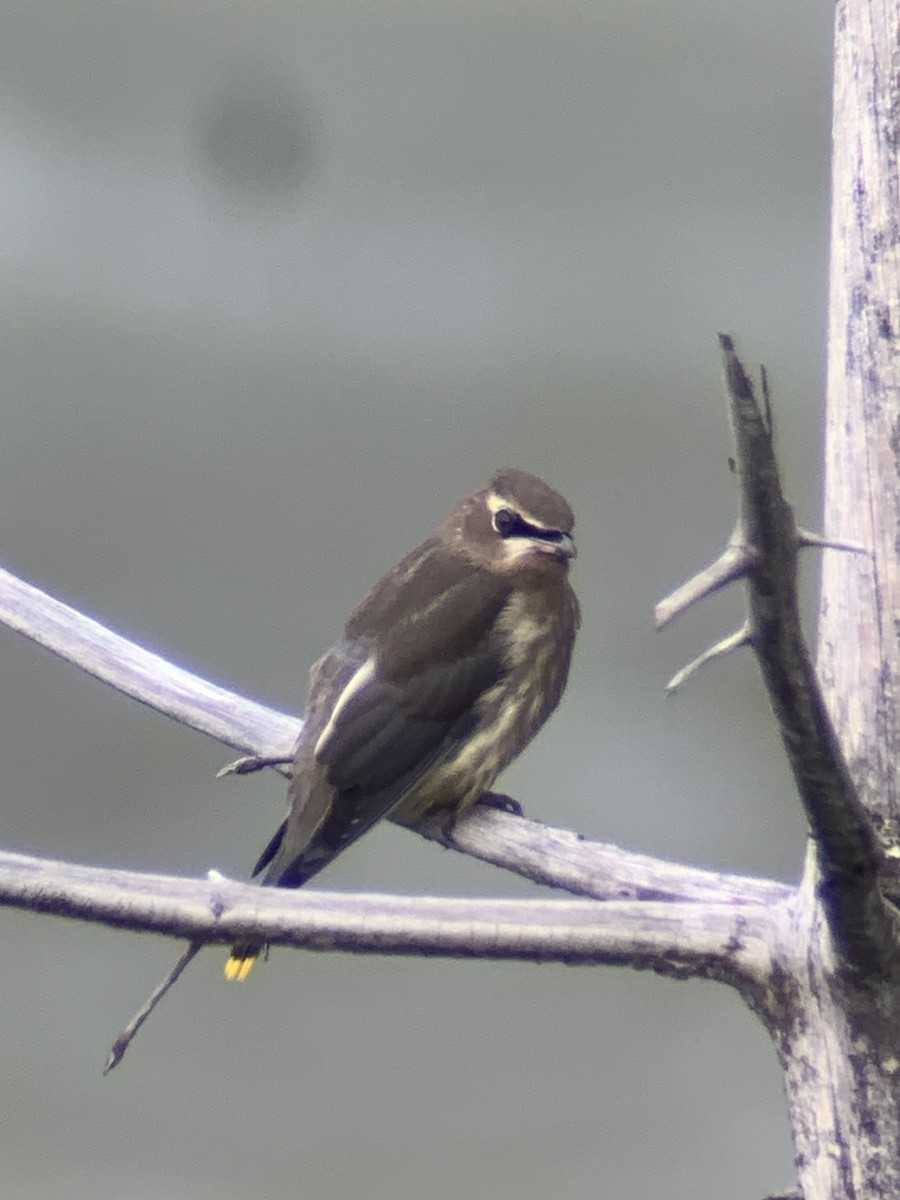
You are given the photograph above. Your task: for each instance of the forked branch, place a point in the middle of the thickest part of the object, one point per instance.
(764, 552)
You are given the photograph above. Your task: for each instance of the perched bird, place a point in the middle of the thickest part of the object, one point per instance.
(447, 669)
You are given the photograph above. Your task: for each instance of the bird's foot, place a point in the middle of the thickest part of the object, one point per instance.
(495, 800)
(447, 827)
(252, 762)
(502, 802)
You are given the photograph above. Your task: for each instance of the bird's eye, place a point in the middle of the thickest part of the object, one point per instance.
(506, 521)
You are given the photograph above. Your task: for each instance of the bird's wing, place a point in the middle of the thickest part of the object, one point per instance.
(391, 724)
(389, 730)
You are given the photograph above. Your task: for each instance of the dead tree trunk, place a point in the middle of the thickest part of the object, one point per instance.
(835, 1012)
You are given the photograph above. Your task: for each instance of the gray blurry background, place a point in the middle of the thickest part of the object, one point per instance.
(279, 283)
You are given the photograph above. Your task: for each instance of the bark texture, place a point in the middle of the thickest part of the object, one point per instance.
(838, 1036)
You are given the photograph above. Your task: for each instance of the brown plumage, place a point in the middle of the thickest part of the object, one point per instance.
(446, 671)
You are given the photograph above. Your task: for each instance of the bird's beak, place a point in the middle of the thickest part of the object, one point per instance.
(562, 550)
(565, 547)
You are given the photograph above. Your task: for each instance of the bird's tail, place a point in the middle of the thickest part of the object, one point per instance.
(244, 954)
(240, 962)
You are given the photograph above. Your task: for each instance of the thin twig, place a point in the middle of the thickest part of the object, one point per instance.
(128, 1034)
(733, 563)
(816, 541)
(734, 641)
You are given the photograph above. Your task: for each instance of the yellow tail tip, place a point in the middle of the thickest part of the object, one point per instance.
(239, 967)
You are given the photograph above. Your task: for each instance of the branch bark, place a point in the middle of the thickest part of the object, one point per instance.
(140, 673)
(723, 941)
(839, 1043)
(832, 1005)
(861, 596)
(764, 551)
(847, 854)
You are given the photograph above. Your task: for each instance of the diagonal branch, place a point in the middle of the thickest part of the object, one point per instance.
(139, 673)
(560, 858)
(733, 563)
(553, 857)
(848, 857)
(728, 645)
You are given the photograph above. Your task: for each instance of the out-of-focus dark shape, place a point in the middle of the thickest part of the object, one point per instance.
(258, 135)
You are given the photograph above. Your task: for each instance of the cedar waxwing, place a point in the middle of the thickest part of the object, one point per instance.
(446, 671)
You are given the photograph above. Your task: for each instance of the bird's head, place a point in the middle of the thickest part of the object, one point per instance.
(516, 523)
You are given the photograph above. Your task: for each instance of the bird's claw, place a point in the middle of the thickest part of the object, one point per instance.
(250, 763)
(501, 802)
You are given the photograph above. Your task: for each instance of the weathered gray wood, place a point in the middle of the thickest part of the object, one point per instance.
(859, 649)
(838, 1028)
(140, 673)
(720, 941)
(830, 998)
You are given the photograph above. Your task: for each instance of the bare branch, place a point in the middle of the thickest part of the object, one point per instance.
(733, 563)
(722, 941)
(140, 673)
(562, 859)
(131, 1030)
(816, 541)
(545, 855)
(842, 830)
(734, 641)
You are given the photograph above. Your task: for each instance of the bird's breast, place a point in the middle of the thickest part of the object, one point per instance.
(536, 641)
